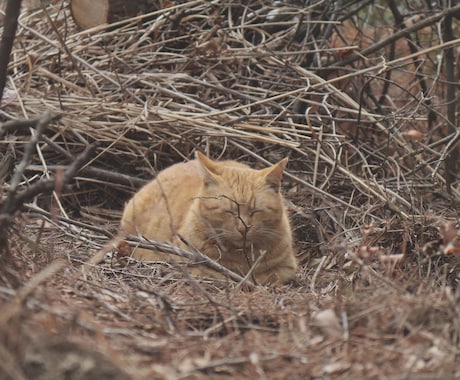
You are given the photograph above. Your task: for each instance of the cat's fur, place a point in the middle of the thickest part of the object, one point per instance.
(226, 210)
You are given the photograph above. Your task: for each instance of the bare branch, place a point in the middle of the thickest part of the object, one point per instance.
(396, 36)
(42, 123)
(20, 125)
(15, 200)
(13, 8)
(451, 161)
(98, 173)
(194, 256)
(47, 186)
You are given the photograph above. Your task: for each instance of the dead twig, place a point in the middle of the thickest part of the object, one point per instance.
(97, 174)
(46, 186)
(13, 8)
(251, 270)
(12, 308)
(396, 36)
(16, 199)
(195, 257)
(10, 203)
(451, 161)
(41, 125)
(21, 125)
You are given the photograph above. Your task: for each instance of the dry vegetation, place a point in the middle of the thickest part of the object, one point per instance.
(366, 128)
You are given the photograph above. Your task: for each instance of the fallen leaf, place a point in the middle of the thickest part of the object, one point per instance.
(337, 367)
(124, 250)
(328, 322)
(412, 135)
(449, 236)
(448, 232)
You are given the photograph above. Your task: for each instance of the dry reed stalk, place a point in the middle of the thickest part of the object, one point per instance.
(150, 99)
(364, 176)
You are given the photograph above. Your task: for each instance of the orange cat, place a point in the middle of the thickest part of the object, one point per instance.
(226, 210)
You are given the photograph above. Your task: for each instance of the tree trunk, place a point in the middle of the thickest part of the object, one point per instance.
(90, 13)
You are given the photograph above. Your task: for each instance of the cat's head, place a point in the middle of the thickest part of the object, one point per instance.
(241, 205)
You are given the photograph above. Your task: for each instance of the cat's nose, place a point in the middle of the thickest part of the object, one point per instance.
(242, 227)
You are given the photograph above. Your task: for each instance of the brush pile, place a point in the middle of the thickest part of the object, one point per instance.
(361, 107)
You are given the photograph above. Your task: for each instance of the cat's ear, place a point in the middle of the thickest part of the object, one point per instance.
(273, 174)
(210, 169)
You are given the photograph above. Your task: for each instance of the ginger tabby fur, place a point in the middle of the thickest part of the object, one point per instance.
(226, 210)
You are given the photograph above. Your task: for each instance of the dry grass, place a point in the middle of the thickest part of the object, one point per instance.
(377, 293)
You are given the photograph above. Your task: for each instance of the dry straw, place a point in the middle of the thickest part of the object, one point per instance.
(252, 81)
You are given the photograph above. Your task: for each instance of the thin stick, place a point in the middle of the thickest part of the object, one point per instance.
(42, 123)
(251, 270)
(49, 185)
(20, 125)
(11, 203)
(12, 308)
(16, 200)
(13, 8)
(396, 36)
(97, 174)
(194, 256)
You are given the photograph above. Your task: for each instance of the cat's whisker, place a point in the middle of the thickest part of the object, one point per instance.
(269, 232)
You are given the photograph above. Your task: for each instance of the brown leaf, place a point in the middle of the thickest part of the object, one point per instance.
(328, 322)
(449, 236)
(412, 135)
(124, 250)
(448, 232)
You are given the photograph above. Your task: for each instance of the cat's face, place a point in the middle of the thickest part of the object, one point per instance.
(241, 206)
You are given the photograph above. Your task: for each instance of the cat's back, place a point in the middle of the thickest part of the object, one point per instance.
(163, 202)
(183, 172)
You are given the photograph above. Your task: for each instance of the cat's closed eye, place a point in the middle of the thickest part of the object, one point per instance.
(235, 212)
